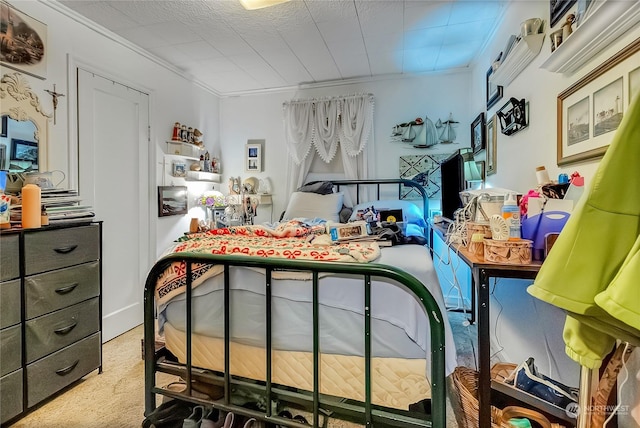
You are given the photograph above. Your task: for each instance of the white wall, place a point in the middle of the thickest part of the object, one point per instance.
(173, 98)
(396, 101)
(520, 153)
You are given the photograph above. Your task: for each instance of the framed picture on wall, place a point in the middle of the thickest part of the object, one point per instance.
(26, 51)
(478, 135)
(494, 92)
(492, 149)
(172, 200)
(590, 110)
(253, 157)
(558, 8)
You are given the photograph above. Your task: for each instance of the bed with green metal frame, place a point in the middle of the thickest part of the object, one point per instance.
(363, 412)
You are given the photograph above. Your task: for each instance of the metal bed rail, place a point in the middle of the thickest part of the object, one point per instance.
(387, 181)
(366, 412)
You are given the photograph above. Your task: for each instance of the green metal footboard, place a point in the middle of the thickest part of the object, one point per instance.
(365, 412)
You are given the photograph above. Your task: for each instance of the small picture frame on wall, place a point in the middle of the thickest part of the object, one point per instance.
(478, 134)
(179, 169)
(253, 157)
(558, 8)
(172, 200)
(494, 92)
(492, 146)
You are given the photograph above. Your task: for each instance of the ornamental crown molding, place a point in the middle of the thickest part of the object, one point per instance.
(17, 87)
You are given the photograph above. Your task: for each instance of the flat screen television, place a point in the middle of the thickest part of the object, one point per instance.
(452, 174)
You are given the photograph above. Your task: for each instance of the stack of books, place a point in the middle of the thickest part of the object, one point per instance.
(63, 205)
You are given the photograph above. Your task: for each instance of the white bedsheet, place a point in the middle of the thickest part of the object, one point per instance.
(389, 302)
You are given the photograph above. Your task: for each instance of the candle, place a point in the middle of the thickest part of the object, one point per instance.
(31, 206)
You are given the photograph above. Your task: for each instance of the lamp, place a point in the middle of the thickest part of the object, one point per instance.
(259, 4)
(472, 174)
(211, 201)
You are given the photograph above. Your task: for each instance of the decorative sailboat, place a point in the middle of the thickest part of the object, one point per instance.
(447, 133)
(428, 136)
(409, 134)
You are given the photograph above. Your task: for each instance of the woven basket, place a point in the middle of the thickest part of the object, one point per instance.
(465, 381)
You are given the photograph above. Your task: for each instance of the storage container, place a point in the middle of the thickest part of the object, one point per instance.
(473, 228)
(508, 252)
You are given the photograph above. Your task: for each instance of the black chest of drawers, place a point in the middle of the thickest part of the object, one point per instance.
(50, 312)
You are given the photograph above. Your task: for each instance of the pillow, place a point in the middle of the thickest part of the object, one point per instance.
(321, 187)
(312, 205)
(413, 230)
(410, 212)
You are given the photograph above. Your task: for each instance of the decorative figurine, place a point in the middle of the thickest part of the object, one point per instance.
(183, 133)
(215, 165)
(190, 135)
(206, 166)
(566, 27)
(176, 132)
(197, 140)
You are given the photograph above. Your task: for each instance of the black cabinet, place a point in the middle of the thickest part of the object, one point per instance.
(50, 312)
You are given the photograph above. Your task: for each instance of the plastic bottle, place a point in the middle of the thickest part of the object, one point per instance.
(575, 190)
(511, 213)
(44, 217)
(542, 176)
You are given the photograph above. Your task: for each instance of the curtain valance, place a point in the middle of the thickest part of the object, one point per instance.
(322, 123)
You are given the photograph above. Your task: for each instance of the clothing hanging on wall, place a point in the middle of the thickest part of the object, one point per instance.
(594, 267)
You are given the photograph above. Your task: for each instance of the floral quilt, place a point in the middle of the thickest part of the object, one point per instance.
(288, 240)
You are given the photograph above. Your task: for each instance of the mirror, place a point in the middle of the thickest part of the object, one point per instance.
(23, 140)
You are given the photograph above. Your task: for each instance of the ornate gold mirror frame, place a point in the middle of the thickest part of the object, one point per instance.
(20, 103)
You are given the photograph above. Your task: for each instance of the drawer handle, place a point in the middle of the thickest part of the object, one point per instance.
(68, 289)
(65, 250)
(65, 330)
(65, 371)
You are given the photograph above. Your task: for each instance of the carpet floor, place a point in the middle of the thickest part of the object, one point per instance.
(115, 398)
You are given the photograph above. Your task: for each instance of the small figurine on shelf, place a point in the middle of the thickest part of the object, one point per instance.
(176, 132)
(566, 27)
(207, 163)
(190, 135)
(234, 186)
(197, 137)
(215, 165)
(183, 133)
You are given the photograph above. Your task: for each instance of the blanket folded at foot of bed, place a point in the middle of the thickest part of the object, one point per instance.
(289, 240)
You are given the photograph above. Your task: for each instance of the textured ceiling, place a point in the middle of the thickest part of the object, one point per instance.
(233, 50)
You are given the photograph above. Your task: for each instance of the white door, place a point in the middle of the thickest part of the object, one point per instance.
(113, 124)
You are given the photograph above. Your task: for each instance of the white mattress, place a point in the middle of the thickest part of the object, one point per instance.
(400, 328)
(395, 382)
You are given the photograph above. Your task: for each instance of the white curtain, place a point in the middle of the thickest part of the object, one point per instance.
(320, 126)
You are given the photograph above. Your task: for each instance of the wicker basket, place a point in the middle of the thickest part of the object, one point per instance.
(508, 252)
(465, 381)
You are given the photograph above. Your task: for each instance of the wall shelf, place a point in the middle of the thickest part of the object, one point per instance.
(597, 31)
(178, 148)
(518, 59)
(202, 176)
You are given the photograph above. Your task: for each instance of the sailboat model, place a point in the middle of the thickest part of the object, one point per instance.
(409, 134)
(447, 133)
(428, 136)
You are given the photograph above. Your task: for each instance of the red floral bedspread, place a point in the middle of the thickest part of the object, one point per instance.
(290, 240)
